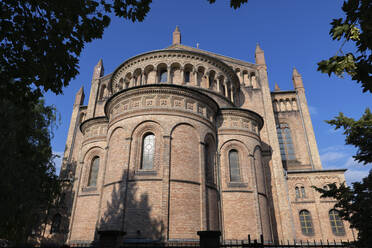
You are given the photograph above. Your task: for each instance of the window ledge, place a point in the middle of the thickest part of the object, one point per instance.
(237, 184)
(89, 189)
(146, 173)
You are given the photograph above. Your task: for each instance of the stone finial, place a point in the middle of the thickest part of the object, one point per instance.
(276, 87)
(259, 55)
(79, 98)
(176, 36)
(98, 70)
(297, 79)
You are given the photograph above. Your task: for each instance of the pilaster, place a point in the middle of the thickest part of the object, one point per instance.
(306, 119)
(279, 183)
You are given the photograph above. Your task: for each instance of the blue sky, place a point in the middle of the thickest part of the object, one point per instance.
(291, 32)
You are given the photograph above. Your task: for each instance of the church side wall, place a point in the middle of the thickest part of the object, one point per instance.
(318, 208)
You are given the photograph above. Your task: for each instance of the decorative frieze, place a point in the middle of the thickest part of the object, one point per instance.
(170, 99)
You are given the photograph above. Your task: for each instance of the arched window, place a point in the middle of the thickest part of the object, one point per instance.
(336, 223)
(209, 162)
(303, 193)
(163, 76)
(148, 151)
(234, 166)
(93, 172)
(56, 223)
(298, 194)
(306, 223)
(210, 81)
(285, 142)
(187, 77)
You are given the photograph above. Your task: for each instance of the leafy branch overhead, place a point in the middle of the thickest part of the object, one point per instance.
(41, 41)
(355, 27)
(358, 133)
(354, 205)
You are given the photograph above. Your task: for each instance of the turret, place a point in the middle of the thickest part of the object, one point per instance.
(259, 55)
(74, 125)
(79, 98)
(97, 74)
(98, 70)
(176, 36)
(304, 110)
(276, 87)
(297, 79)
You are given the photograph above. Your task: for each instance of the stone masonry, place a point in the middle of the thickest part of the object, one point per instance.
(180, 140)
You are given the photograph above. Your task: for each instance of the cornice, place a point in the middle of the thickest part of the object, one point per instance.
(243, 113)
(92, 121)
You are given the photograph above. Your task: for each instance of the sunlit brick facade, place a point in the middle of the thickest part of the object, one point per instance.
(188, 140)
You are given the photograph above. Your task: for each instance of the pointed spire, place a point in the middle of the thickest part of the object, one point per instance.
(176, 36)
(297, 79)
(259, 55)
(276, 87)
(98, 69)
(258, 48)
(79, 98)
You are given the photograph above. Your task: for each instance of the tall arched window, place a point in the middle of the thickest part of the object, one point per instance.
(336, 223)
(187, 77)
(93, 172)
(306, 223)
(298, 194)
(163, 76)
(148, 151)
(303, 193)
(209, 162)
(285, 142)
(234, 166)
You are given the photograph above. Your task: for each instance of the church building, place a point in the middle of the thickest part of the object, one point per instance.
(180, 140)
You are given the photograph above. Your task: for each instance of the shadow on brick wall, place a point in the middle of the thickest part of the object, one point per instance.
(127, 214)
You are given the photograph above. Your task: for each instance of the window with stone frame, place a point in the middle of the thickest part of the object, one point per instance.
(285, 142)
(148, 152)
(234, 166)
(306, 223)
(300, 192)
(93, 173)
(337, 224)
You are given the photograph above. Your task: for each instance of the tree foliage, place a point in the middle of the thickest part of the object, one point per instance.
(358, 133)
(28, 182)
(354, 205)
(41, 41)
(355, 27)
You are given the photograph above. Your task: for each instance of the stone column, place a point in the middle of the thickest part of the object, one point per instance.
(225, 84)
(182, 76)
(203, 185)
(166, 185)
(196, 78)
(169, 75)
